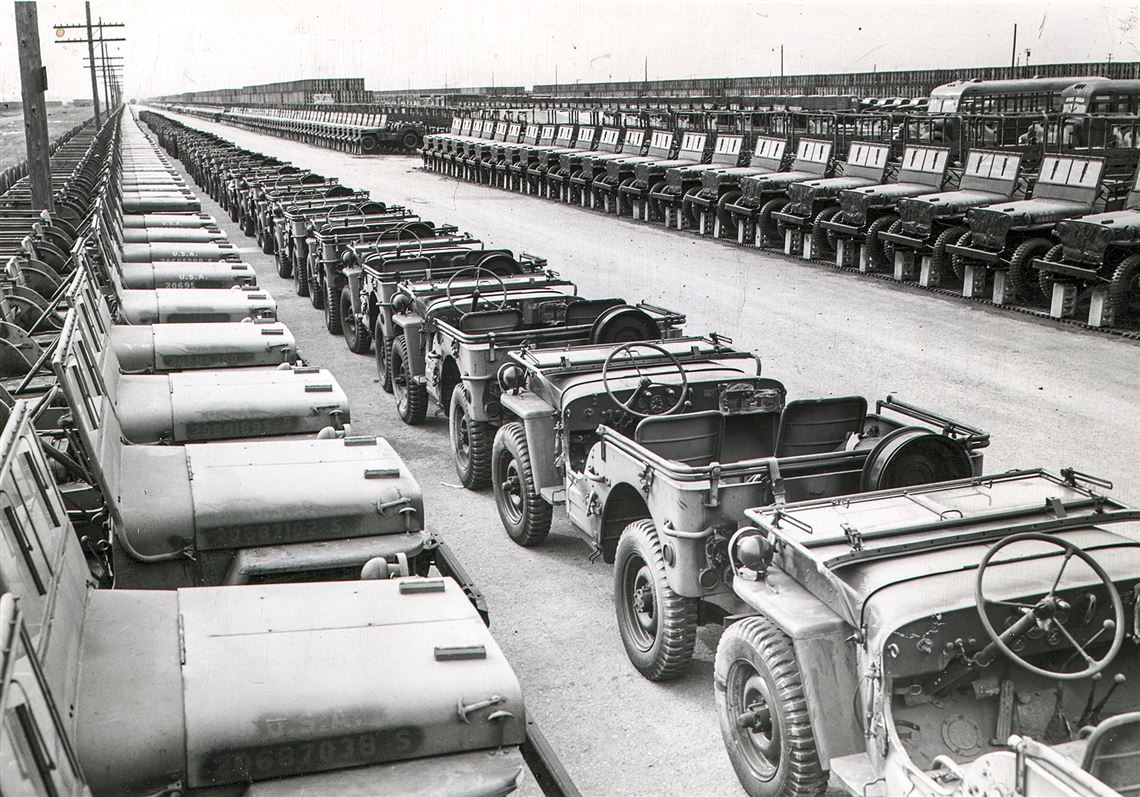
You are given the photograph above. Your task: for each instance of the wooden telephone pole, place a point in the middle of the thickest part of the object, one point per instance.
(91, 40)
(33, 84)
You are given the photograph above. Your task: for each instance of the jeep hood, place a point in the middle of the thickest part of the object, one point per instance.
(990, 226)
(856, 203)
(753, 186)
(823, 187)
(1086, 239)
(643, 169)
(918, 213)
(257, 683)
(893, 592)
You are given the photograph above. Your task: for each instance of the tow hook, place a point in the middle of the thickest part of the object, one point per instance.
(466, 710)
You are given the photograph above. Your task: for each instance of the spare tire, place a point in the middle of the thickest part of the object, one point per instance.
(911, 456)
(499, 263)
(623, 324)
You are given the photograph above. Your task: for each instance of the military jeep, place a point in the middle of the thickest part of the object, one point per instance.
(1098, 259)
(620, 172)
(720, 187)
(481, 296)
(749, 210)
(929, 223)
(573, 175)
(868, 211)
(373, 283)
(1004, 239)
(921, 640)
(644, 191)
(593, 164)
(656, 449)
(468, 349)
(812, 202)
(684, 183)
(238, 689)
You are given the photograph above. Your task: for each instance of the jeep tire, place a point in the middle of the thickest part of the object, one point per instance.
(763, 712)
(301, 277)
(879, 253)
(658, 627)
(383, 349)
(471, 442)
(331, 308)
(1022, 274)
(356, 332)
(524, 513)
(284, 267)
(411, 395)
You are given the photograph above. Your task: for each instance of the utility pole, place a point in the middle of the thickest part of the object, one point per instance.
(33, 84)
(90, 41)
(103, 57)
(1013, 52)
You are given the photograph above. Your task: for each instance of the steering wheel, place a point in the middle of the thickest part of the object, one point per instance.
(476, 294)
(645, 382)
(1045, 613)
(337, 207)
(398, 232)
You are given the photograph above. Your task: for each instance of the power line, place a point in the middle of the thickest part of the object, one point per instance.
(110, 88)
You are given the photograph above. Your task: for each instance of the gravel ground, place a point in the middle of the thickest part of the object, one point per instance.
(61, 118)
(1051, 396)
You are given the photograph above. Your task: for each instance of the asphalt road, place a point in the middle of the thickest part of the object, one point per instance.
(1050, 395)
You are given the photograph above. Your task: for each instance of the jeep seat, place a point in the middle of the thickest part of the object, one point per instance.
(692, 439)
(816, 426)
(1112, 755)
(587, 311)
(487, 321)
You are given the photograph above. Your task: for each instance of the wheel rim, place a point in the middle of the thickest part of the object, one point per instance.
(511, 488)
(399, 380)
(462, 440)
(381, 357)
(347, 319)
(639, 602)
(749, 706)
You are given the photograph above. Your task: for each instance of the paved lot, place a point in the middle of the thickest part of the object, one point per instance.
(1051, 396)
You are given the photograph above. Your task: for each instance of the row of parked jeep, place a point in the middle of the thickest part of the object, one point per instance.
(830, 535)
(1065, 235)
(208, 582)
(363, 133)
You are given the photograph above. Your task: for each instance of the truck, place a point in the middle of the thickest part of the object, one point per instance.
(655, 449)
(970, 636)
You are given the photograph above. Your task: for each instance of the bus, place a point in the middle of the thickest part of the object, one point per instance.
(1029, 95)
(1103, 97)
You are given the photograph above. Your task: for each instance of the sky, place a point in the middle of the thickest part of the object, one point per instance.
(208, 44)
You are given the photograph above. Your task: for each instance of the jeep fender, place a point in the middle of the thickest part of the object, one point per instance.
(827, 657)
(411, 327)
(353, 280)
(537, 418)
